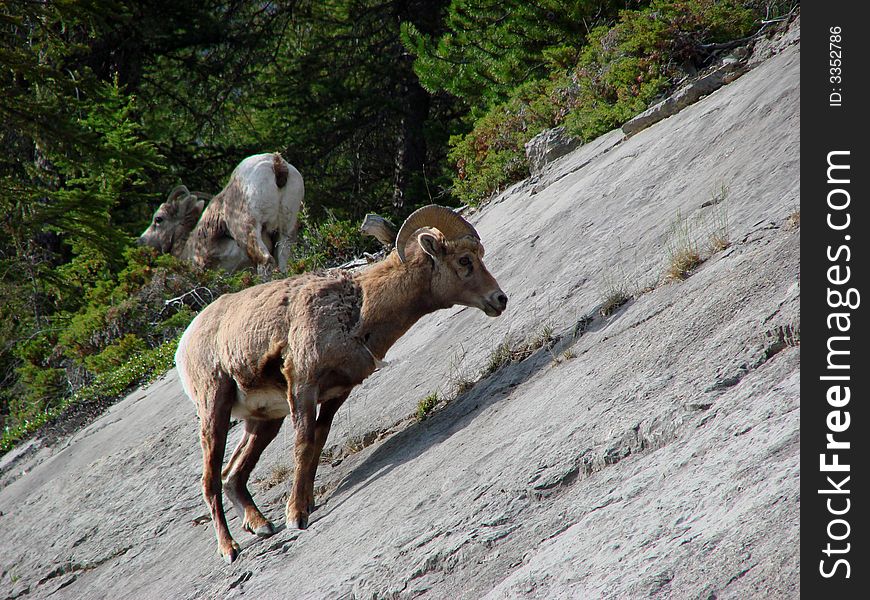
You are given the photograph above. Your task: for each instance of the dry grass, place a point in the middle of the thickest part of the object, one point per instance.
(500, 356)
(508, 351)
(460, 379)
(279, 473)
(719, 232)
(684, 256)
(793, 221)
(617, 291)
(681, 263)
(612, 302)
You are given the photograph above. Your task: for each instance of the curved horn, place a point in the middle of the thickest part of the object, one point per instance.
(179, 191)
(441, 218)
(202, 196)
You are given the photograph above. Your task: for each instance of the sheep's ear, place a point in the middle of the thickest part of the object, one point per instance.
(191, 207)
(431, 245)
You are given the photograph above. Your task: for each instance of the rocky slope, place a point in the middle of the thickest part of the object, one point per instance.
(651, 452)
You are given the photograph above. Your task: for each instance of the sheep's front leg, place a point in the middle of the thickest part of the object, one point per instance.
(303, 408)
(324, 422)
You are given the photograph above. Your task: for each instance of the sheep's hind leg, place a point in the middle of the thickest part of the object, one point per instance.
(257, 250)
(303, 408)
(258, 434)
(214, 423)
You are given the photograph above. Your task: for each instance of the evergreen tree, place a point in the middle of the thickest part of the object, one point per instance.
(344, 99)
(491, 46)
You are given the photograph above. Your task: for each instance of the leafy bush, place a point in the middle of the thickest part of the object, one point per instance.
(328, 244)
(116, 355)
(142, 368)
(616, 75)
(116, 338)
(427, 405)
(492, 155)
(624, 68)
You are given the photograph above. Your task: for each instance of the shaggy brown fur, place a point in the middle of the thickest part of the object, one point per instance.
(285, 347)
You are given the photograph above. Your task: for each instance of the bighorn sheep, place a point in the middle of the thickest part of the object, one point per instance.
(252, 221)
(284, 347)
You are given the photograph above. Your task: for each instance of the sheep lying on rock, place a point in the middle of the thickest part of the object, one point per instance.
(252, 221)
(283, 348)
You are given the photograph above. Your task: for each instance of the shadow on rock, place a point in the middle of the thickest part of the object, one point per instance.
(413, 441)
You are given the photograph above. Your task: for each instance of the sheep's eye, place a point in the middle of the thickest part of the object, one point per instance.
(465, 261)
(158, 220)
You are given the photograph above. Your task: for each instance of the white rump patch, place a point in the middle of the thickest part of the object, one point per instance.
(261, 403)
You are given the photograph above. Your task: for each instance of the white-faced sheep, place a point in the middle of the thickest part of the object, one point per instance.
(252, 221)
(285, 347)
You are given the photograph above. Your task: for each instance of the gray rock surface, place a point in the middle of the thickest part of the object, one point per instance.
(685, 96)
(650, 453)
(547, 146)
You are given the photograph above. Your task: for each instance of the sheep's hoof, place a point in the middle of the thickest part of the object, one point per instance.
(231, 553)
(264, 529)
(299, 520)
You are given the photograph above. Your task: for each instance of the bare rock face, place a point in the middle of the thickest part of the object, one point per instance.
(647, 450)
(547, 146)
(685, 96)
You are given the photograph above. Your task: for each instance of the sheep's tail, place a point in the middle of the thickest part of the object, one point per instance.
(279, 165)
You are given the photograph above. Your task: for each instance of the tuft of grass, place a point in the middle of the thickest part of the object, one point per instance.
(279, 473)
(612, 302)
(569, 354)
(359, 443)
(507, 352)
(791, 335)
(500, 356)
(719, 237)
(427, 405)
(683, 253)
(682, 263)
(793, 221)
(460, 379)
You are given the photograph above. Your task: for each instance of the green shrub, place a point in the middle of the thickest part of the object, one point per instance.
(616, 75)
(116, 355)
(492, 155)
(625, 67)
(138, 370)
(122, 318)
(127, 324)
(427, 405)
(328, 244)
(42, 389)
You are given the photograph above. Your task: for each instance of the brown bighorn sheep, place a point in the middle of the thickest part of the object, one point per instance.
(252, 221)
(285, 347)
